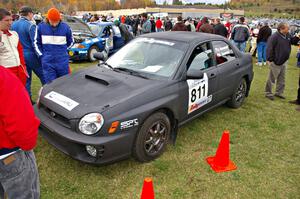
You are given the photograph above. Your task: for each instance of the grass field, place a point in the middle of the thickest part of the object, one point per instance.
(265, 145)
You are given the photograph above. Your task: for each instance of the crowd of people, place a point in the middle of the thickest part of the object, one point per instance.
(41, 47)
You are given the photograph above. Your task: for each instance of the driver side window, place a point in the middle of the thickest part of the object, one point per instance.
(201, 58)
(107, 31)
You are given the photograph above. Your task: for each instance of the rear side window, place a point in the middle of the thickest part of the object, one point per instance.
(223, 52)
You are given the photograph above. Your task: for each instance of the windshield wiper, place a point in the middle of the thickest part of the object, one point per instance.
(106, 64)
(131, 72)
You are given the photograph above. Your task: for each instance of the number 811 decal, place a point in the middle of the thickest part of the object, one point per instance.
(198, 93)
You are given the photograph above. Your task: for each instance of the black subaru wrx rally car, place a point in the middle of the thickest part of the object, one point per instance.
(133, 103)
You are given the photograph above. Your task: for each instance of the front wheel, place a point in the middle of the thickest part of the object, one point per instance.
(153, 137)
(91, 53)
(239, 95)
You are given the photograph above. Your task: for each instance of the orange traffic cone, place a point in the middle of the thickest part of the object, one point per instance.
(221, 161)
(147, 192)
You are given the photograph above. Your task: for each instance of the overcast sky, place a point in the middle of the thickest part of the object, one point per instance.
(194, 1)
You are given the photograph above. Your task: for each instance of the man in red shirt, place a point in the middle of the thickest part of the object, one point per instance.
(158, 24)
(18, 135)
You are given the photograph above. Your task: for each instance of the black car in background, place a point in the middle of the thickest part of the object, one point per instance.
(133, 103)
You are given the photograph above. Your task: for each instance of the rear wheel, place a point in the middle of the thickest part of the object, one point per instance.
(239, 95)
(91, 52)
(153, 137)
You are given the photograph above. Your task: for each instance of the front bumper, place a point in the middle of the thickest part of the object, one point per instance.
(76, 55)
(110, 148)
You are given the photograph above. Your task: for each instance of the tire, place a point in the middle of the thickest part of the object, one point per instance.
(90, 55)
(239, 95)
(149, 143)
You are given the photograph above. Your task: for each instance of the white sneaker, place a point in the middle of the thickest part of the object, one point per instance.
(265, 63)
(259, 64)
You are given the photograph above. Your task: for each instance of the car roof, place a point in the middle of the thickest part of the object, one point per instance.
(183, 36)
(101, 23)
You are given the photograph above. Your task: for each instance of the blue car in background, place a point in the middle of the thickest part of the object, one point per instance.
(92, 37)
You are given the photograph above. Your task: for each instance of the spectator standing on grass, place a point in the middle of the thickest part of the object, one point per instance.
(126, 35)
(146, 24)
(206, 27)
(11, 51)
(153, 27)
(179, 26)
(168, 24)
(253, 48)
(136, 22)
(26, 31)
(190, 25)
(278, 52)
(219, 28)
(240, 34)
(19, 177)
(263, 35)
(297, 101)
(228, 26)
(158, 24)
(52, 40)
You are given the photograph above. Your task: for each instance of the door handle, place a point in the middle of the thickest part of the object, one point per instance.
(212, 75)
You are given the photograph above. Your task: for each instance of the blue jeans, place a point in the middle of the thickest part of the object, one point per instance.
(19, 178)
(240, 45)
(33, 64)
(261, 51)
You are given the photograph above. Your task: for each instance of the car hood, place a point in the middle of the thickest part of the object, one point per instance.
(95, 90)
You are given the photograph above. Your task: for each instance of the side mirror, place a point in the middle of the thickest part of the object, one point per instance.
(194, 74)
(99, 56)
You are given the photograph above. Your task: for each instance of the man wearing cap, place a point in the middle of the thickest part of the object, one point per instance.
(126, 35)
(52, 40)
(26, 30)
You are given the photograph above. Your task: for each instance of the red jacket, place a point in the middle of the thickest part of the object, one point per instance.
(18, 124)
(158, 24)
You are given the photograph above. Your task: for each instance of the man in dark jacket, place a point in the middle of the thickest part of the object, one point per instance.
(219, 28)
(262, 38)
(153, 28)
(206, 27)
(278, 52)
(240, 34)
(179, 26)
(297, 101)
(168, 24)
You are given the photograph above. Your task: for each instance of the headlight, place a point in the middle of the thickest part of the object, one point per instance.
(91, 123)
(38, 98)
(79, 46)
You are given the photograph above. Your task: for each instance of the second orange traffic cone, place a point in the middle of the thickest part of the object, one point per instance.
(221, 161)
(147, 192)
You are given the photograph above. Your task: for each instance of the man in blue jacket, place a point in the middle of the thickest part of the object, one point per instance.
(26, 31)
(52, 39)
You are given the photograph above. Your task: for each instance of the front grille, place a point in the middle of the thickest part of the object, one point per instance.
(55, 116)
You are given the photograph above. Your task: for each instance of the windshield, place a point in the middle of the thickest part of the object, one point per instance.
(96, 30)
(150, 57)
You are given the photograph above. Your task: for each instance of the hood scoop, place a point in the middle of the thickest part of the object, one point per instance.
(96, 79)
